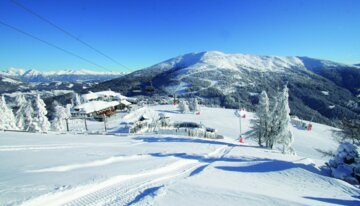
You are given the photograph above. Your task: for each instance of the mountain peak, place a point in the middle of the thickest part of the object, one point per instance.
(31, 72)
(33, 75)
(217, 59)
(14, 71)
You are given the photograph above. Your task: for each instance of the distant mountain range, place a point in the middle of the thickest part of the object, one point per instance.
(320, 90)
(61, 75)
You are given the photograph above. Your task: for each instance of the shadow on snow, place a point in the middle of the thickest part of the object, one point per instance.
(335, 201)
(271, 165)
(189, 140)
(148, 192)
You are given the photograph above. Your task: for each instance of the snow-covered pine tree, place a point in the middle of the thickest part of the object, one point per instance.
(183, 106)
(20, 100)
(40, 113)
(283, 133)
(58, 123)
(7, 119)
(273, 126)
(76, 100)
(24, 117)
(68, 111)
(191, 105)
(345, 164)
(194, 105)
(263, 118)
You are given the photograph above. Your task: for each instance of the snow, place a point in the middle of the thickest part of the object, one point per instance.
(94, 106)
(326, 93)
(81, 75)
(12, 72)
(80, 72)
(33, 72)
(212, 60)
(253, 94)
(125, 102)
(151, 169)
(11, 81)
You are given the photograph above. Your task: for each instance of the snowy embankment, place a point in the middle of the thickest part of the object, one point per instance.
(58, 169)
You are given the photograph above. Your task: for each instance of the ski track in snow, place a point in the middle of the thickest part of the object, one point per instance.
(6, 148)
(95, 163)
(125, 189)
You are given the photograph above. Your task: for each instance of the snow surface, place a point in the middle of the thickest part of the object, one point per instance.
(210, 60)
(326, 93)
(33, 72)
(150, 169)
(11, 81)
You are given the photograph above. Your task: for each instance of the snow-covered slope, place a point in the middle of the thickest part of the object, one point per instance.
(77, 169)
(197, 62)
(229, 79)
(9, 84)
(60, 75)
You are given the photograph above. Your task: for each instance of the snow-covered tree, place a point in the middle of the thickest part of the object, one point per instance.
(19, 100)
(273, 126)
(281, 123)
(7, 119)
(59, 123)
(194, 105)
(40, 113)
(76, 100)
(184, 106)
(345, 164)
(262, 122)
(68, 111)
(24, 117)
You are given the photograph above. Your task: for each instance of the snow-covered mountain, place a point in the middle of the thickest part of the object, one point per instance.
(7, 84)
(232, 79)
(60, 75)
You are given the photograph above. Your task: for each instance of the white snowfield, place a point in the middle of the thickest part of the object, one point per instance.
(33, 72)
(68, 169)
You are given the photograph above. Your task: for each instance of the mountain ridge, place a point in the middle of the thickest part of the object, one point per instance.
(68, 75)
(319, 89)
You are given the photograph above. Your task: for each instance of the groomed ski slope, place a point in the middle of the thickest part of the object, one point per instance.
(69, 169)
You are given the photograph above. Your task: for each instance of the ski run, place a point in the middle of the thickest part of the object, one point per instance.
(91, 168)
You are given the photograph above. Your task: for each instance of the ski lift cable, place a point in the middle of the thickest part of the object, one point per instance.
(68, 34)
(51, 44)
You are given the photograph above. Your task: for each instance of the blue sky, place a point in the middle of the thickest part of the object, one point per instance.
(140, 33)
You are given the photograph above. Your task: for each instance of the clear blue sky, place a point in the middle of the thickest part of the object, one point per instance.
(141, 33)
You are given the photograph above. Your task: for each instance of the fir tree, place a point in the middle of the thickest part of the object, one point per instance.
(68, 111)
(20, 100)
(184, 107)
(7, 119)
(76, 100)
(194, 105)
(282, 133)
(58, 123)
(262, 122)
(40, 113)
(24, 117)
(350, 130)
